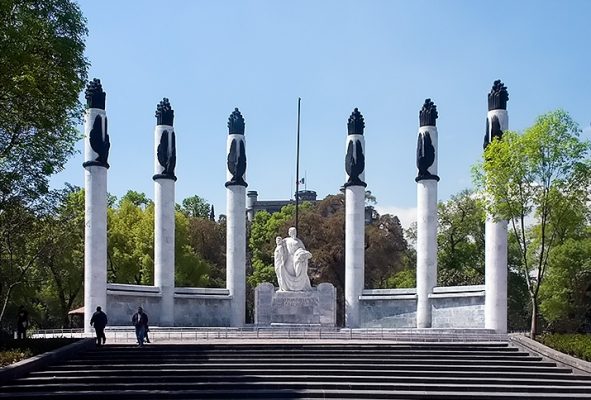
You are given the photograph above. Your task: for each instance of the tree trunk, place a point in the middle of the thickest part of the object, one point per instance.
(534, 318)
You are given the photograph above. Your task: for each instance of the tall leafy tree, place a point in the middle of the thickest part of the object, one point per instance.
(195, 207)
(131, 245)
(542, 174)
(565, 296)
(460, 241)
(207, 239)
(60, 269)
(42, 71)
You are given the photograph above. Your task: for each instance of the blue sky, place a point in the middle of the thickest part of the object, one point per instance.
(384, 57)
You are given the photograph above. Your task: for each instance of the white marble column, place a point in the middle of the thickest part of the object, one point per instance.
(427, 180)
(164, 208)
(236, 252)
(95, 242)
(96, 151)
(495, 259)
(426, 249)
(236, 218)
(354, 253)
(354, 218)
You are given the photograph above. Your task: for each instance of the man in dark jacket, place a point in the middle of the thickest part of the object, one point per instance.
(140, 321)
(22, 322)
(99, 320)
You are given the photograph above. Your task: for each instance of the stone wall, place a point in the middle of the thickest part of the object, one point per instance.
(452, 307)
(388, 308)
(202, 307)
(192, 306)
(458, 307)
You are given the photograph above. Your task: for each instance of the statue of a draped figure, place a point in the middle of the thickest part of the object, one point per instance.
(291, 263)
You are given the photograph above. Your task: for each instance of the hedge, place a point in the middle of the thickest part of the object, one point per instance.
(576, 345)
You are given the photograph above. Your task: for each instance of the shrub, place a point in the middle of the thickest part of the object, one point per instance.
(12, 351)
(13, 356)
(576, 345)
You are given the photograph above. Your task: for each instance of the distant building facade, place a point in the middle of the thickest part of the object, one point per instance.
(254, 205)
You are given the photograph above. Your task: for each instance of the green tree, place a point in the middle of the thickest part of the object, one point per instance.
(386, 252)
(42, 71)
(191, 269)
(60, 269)
(130, 246)
(460, 241)
(208, 241)
(541, 174)
(195, 207)
(565, 296)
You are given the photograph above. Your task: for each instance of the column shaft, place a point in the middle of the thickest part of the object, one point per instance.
(495, 259)
(164, 247)
(95, 241)
(236, 251)
(426, 248)
(354, 253)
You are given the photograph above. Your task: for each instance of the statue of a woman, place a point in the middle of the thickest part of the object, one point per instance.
(291, 263)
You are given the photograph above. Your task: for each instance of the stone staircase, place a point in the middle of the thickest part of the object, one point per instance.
(386, 370)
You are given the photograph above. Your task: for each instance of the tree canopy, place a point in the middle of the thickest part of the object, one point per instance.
(42, 71)
(539, 182)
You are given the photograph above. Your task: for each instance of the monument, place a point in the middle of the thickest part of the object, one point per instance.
(291, 263)
(96, 153)
(164, 223)
(354, 218)
(236, 217)
(296, 302)
(427, 180)
(495, 257)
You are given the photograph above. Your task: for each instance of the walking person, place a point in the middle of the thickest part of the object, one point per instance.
(99, 321)
(22, 323)
(140, 321)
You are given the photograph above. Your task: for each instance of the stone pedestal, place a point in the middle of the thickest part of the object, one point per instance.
(315, 307)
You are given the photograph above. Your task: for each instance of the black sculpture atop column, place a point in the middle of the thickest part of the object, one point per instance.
(425, 148)
(95, 96)
(98, 136)
(237, 153)
(498, 96)
(355, 159)
(166, 151)
(497, 100)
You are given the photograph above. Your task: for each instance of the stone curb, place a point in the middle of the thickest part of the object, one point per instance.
(35, 363)
(579, 366)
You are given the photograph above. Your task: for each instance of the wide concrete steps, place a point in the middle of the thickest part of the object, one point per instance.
(492, 370)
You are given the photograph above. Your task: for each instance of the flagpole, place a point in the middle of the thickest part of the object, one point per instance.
(297, 200)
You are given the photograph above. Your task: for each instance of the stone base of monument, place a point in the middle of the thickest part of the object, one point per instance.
(317, 307)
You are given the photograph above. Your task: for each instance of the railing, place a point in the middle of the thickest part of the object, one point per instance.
(196, 334)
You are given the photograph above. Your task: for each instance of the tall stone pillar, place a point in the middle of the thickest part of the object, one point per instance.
(354, 218)
(236, 218)
(427, 180)
(495, 258)
(164, 223)
(96, 153)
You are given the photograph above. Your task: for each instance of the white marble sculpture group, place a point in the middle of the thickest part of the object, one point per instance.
(291, 263)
